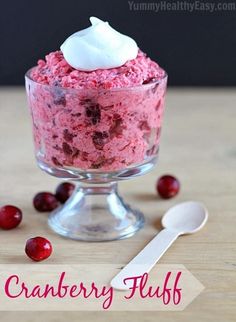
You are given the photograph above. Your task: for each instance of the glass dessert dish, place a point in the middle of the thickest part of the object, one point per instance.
(96, 137)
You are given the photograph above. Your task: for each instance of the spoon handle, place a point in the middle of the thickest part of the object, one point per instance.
(145, 260)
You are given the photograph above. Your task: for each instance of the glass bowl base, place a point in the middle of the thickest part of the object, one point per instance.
(96, 213)
(97, 176)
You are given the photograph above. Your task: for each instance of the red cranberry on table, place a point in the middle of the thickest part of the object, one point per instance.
(10, 217)
(38, 248)
(167, 186)
(64, 191)
(45, 201)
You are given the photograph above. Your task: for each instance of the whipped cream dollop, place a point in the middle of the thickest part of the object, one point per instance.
(98, 47)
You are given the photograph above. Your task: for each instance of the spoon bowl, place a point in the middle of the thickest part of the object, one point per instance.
(185, 218)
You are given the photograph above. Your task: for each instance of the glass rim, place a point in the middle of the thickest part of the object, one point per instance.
(115, 89)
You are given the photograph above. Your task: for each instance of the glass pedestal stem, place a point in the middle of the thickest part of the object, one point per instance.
(96, 212)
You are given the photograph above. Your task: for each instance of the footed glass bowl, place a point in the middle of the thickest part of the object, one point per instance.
(96, 137)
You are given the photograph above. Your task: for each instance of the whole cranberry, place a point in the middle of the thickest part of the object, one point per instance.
(10, 217)
(38, 248)
(167, 186)
(64, 191)
(45, 201)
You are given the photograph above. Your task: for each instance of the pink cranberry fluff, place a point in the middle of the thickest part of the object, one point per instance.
(54, 70)
(107, 119)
